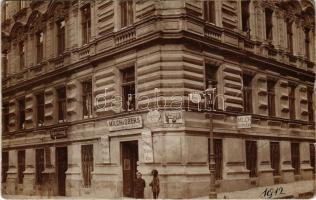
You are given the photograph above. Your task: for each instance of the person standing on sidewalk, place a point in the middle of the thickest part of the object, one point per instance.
(155, 184)
(140, 185)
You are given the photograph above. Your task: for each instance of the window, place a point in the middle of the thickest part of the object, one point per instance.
(5, 114)
(40, 109)
(245, 15)
(22, 55)
(5, 165)
(295, 155)
(271, 97)
(211, 83)
(21, 104)
(292, 102)
(39, 165)
(5, 64)
(312, 156)
(251, 157)
(61, 92)
(128, 88)
(247, 93)
(289, 33)
(269, 24)
(218, 153)
(275, 157)
(310, 104)
(86, 24)
(87, 164)
(307, 42)
(87, 99)
(209, 11)
(39, 46)
(21, 165)
(127, 15)
(60, 37)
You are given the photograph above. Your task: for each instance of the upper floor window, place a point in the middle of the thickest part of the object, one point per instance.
(247, 93)
(271, 97)
(295, 156)
(269, 23)
(22, 55)
(307, 43)
(310, 104)
(275, 157)
(211, 82)
(87, 99)
(209, 11)
(5, 114)
(128, 88)
(289, 34)
(60, 37)
(5, 165)
(4, 64)
(86, 24)
(21, 165)
(292, 102)
(87, 164)
(245, 15)
(39, 46)
(127, 13)
(61, 94)
(39, 158)
(40, 109)
(21, 104)
(251, 158)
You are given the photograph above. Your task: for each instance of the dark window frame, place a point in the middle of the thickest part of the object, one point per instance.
(292, 103)
(39, 46)
(87, 103)
(269, 24)
(5, 165)
(128, 88)
(40, 109)
(209, 11)
(275, 157)
(22, 54)
(21, 110)
(6, 117)
(5, 64)
(247, 93)
(310, 103)
(218, 153)
(312, 156)
(289, 33)
(86, 23)
(61, 39)
(251, 157)
(62, 104)
(21, 165)
(87, 162)
(211, 82)
(40, 165)
(307, 43)
(295, 157)
(245, 15)
(126, 12)
(271, 97)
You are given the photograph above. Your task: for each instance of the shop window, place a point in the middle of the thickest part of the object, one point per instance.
(269, 24)
(39, 46)
(292, 102)
(39, 165)
(251, 158)
(21, 165)
(247, 93)
(128, 88)
(245, 14)
(87, 99)
(60, 37)
(40, 109)
(86, 24)
(209, 11)
(61, 92)
(271, 97)
(275, 157)
(310, 104)
(87, 164)
(312, 156)
(127, 13)
(21, 104)
(5, 165)
(295, 155)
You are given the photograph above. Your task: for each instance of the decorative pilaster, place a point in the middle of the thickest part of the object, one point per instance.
(73, 173)
(306, 168)
(287, 171)
(264, 163)
(29, 173)
(12, 173)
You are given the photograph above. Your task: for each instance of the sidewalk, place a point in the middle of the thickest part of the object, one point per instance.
(300, 189)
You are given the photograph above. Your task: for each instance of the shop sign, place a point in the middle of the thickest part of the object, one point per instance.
(244, 121)
(125, 123)
(57, 133)
(147, 145)
(173, 117)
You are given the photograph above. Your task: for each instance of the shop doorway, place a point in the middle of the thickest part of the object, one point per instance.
(129, 157)
(61, 166)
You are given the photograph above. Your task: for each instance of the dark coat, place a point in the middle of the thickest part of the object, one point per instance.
(140, 185)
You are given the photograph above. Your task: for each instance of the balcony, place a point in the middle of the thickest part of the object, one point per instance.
(125, 36)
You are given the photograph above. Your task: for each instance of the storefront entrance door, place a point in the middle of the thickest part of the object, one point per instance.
(61, 165)
(129, 166)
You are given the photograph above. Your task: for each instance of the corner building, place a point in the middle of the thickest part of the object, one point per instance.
(78, 78)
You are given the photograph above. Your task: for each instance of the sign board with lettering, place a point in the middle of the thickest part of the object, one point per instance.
(173, 117)
(60, 132)
(147, 145)
(244, 121)
(105, 149)
(125, 123)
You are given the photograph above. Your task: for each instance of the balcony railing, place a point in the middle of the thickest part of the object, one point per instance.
(125, 36)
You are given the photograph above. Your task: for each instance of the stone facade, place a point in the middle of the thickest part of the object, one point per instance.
(170, 45)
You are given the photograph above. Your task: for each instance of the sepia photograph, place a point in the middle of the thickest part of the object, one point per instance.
(158, 99)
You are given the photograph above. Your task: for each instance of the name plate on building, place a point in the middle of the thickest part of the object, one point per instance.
(244, 121)
(147, 144)
(125, 123)
(57, 133)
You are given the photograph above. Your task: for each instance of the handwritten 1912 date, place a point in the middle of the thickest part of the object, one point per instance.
(272, 192)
